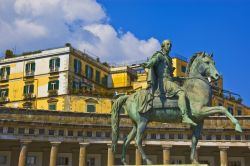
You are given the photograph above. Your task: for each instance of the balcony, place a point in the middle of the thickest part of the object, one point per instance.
(4, 99)
(54, 70)
(4, 77)
(30, 73)
(29, 96)
(53, 92)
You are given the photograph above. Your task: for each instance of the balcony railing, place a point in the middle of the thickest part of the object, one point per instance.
(29, 96)
(4, 99)
(54, 69)
(53, 92)
(29, 73)
(4, 77)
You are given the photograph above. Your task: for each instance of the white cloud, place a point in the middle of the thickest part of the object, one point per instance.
(39, 24)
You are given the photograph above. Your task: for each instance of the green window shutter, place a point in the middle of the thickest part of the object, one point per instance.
(91, 73)
(27, 67)
(57, 84)
(75, 65)
(25, 89)
(1, 71)
(50, 63)
(58, 62)
(86, 71)
(74, 84)
(97, 76)
(49, 86)
(8, 70)
(7, 92)
(80, 67)
(91, 108)
(33, 66)
(31, 88)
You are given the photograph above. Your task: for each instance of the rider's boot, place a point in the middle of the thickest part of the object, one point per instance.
(186, 119)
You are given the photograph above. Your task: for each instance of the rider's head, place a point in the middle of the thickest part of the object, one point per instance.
(166, 46)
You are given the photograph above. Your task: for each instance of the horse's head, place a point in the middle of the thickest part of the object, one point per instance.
(202, 64)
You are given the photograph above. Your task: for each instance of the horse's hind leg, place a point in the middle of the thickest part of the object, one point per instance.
(141, 126)
(127, 140)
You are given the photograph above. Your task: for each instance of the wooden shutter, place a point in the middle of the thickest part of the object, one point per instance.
(57, 62)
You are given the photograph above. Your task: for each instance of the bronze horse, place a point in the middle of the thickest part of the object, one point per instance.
(200, 70)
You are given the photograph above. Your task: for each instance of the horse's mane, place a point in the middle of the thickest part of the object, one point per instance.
(191, 62)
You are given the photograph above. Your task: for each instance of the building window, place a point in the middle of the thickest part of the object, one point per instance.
(171, 136)
(162, 136)
(97, 76)
(31, 131)
(53, 85)
(21, 131)
(91, 108)
(3, 160)
(70, 133)
(218, 137)
(105, 81)
(152, 136)
(52, 106)
(62, 161)
(239, 112)
(28, 89)
(31, 160)
(4, 73)
(107, 134)
(180, 136)
(208, 137)
(51, 132)
(89, 134)
(79, 133)
(77, 66)
(41, 131)
(4, 92)
(98, 134)
(10, 130)
(237, 137)
(230, 109)
(227, 137)
(89, 72)
(30, 68)
(1, 129)
(61, 132)
(183, 69)
(247, 137)
(54, 64)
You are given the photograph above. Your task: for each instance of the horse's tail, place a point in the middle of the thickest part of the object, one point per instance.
(115, 119)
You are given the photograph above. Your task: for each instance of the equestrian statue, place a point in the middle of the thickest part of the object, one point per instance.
(165, 100)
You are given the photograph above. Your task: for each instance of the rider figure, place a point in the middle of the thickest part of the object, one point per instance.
(160, 71)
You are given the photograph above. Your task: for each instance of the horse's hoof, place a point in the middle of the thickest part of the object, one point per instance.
(238, 128)
(195, 162)
(124, 162)
(149, 162)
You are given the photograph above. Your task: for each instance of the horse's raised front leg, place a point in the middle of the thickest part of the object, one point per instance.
(141, 126)
(196, 133)
(206, 111)
(127, 140)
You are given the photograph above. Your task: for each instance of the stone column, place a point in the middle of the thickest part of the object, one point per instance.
(166, 154)
(110, 156)
(82, 153)
(53, 153)
(223, 156)
(23, 152)
(138, 158)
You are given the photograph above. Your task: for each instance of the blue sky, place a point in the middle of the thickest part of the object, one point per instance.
(122, 31)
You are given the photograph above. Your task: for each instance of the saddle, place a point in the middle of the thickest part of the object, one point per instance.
(169, 102)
